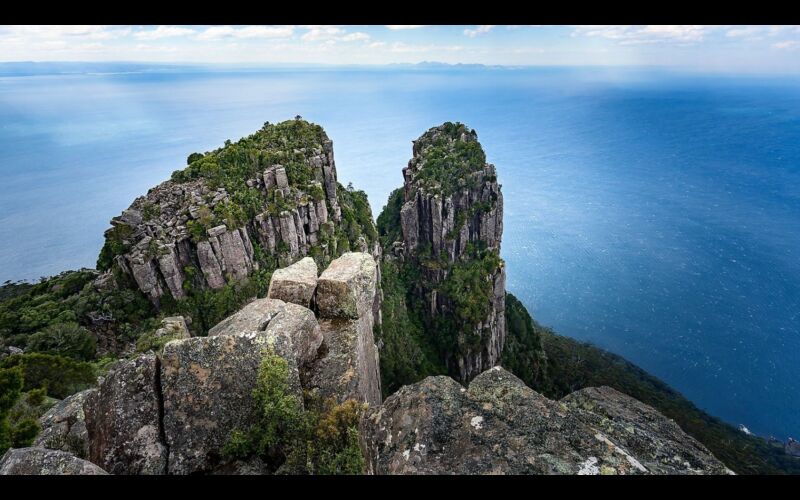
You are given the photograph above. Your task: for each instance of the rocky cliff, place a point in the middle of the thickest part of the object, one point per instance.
(174, 410)
(264, 201)
(292, 382)
(178, 409)
(451, 221)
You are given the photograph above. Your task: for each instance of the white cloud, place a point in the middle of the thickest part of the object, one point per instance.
(658, 33)
(352, 37)
(163, 32)
(220, 32)
(787, 44)
(405, 26)
(480, 30)
(322, 33)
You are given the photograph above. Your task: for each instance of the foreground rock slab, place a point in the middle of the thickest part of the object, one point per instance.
(207, 386)
(123, 419)
(500, 426)
(41, 461)
(64, 426)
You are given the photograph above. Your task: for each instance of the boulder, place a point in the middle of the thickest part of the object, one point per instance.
(122, 419)
(657, 441)
(346, 289)
(295, 283)
(41, 462)
(349, 368)
(500, 426)
(301, 325)
(207, 386)
(174, 327)
(251, 318)
(64, 426)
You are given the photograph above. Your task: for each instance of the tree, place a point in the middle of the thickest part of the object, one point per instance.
(193, 158)
(66, 339)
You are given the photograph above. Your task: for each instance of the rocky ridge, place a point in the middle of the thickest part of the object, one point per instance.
(173, 409)
(173, 412)
(193, 232)
(451, 216)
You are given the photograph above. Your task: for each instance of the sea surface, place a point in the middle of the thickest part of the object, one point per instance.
(654, 214)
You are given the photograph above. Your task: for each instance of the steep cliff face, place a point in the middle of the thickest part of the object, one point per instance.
(451, 220)
(264, 201)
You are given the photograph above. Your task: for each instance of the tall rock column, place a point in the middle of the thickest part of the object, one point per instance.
(452, 225)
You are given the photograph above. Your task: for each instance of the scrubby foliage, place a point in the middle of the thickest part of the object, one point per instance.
(573, 365)
(71, 299)
(67, 339)
(408, 355)
(449, 154)
(19, 411)
(59, 376)
(314, 436)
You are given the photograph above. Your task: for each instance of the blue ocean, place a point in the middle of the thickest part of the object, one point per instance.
(654, 214)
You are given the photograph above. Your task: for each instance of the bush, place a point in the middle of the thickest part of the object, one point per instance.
(60, 376)
(322, 439)
(65, 339)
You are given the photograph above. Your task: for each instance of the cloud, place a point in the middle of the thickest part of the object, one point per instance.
(163, 32)
(658, 33)
(400, 47)
(322, 33)
(787, 44)
(405, 26)
(480, 30)
(220, 32)
(352, 37)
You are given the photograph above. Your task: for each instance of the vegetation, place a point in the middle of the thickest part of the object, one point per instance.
(320, 437)
(408, 355)
(573, 365)
(446, 161)
(283, 144)
(19, 411)
(59, 376)
(67, 339)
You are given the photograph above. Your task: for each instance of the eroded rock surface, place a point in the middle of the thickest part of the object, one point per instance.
(123, 419)
(500, 426)
(207, 386)
(296, 283)
(64, 426)
(41, 462)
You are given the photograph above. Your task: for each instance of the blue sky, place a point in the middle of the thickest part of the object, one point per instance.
(708, 48)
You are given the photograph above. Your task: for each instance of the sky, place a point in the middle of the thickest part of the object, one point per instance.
(708, 48)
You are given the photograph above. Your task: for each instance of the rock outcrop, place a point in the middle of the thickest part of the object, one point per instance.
(295, 283)
(500, 426)
(452, 212)
(207, 385)
(346, 292)
(44, 462)
(64, 426)
(123, 419)
(185, 223)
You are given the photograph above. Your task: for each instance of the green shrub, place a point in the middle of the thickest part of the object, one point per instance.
(65, 339)
(320, 439)
(60, 376)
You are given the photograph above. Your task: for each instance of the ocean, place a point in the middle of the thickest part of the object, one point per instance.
(654, 214)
